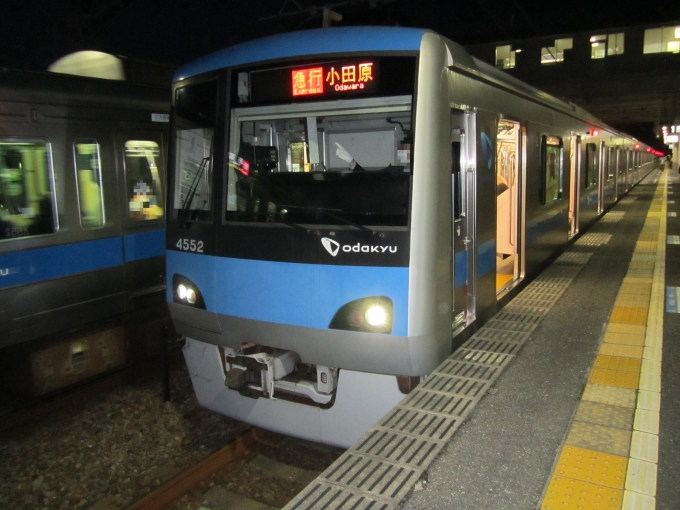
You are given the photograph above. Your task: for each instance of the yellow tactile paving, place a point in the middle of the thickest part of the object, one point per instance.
(599, 439)
(610, 395)
(618, 363)
(614, 378)
(605, 415)
(566, 493)
(628, 366)
(633, 288)
(593, 467)
(633, 329)
(629, 315)
(624, 339)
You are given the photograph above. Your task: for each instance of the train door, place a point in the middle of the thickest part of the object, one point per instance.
(574, 183)
(142, 210)
(508, 200)
(462, 194)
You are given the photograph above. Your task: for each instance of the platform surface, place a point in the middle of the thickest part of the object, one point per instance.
(565, 399)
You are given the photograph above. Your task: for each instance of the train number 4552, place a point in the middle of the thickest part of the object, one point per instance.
(190, 245)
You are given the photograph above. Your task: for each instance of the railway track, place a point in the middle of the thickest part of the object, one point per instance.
(259, 470)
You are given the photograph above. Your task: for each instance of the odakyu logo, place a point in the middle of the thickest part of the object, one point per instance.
(333, 247)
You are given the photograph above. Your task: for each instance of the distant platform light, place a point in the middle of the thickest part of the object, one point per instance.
(93, 64)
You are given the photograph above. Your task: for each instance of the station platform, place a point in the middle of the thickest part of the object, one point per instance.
(565, 399)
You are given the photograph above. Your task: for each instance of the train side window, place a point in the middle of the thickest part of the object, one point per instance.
(88, 174)
(591, 165)
(457, 181)
(611, 163)
(195, 120)
(27, 206)
(145, 195)
(551, 176)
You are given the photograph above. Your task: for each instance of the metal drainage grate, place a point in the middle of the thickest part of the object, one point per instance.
(399, 448)
(435, 427)
(324, 495)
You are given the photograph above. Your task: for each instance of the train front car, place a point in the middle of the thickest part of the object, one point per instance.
(311, 292)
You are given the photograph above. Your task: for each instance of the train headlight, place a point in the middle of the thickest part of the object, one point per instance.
(370, 315)
(376, 316)
(186, 292)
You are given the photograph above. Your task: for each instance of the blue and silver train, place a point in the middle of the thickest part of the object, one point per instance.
(82, 185)
(344, 203)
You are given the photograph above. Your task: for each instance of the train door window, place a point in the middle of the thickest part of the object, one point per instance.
(611, 163)
(551, 176)
(89, 178)
(27, 205)
(145, 194)
(591, 165)
(195, 119)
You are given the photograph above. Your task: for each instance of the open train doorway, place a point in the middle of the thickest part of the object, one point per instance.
(508, 202)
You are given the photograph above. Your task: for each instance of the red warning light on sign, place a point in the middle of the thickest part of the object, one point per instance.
(307, 82)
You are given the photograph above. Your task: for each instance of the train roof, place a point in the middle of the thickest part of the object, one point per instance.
(327, 41)
(305, 43)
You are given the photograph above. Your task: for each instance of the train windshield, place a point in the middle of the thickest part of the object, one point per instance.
(321, 167)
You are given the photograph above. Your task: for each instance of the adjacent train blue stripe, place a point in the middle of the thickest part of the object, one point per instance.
(460, 264)
(30, 266)
(144, 245)
(306, 43)
(486, 257)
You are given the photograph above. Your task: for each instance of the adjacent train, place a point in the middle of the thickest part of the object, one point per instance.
(82, 212)
(342, 203)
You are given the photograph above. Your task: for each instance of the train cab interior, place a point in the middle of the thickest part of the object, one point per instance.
(340, 165)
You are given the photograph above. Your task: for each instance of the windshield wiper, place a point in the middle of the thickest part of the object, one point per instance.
(192, 191)
(327, 212)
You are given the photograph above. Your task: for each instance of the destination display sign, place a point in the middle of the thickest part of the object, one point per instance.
(310, 80)
(335, 78)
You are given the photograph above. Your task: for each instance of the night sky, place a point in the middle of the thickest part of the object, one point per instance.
(33, 34)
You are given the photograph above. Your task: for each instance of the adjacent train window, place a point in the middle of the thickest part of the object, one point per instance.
(145, 194)
(591, 165)
(551, 176)
(88, 174)
(195, 119)
(27, 206)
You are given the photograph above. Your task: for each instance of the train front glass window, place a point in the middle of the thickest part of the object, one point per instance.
(324, 169)
(552, 169)
(89, 178)
(145, 194)
(195, 119)
(27, 205)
